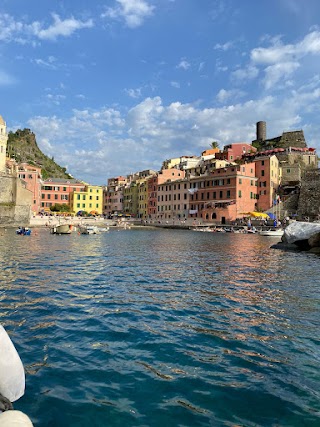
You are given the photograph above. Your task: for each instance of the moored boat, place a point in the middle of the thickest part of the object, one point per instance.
(272, 233)
(61, 229)
(88, 229)
(23, 231)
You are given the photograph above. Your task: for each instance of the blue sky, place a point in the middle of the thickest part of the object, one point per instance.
(117, 86)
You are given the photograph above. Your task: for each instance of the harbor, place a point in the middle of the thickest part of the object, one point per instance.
(145, 326)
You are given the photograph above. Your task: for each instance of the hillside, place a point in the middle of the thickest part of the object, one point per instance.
(23, 147)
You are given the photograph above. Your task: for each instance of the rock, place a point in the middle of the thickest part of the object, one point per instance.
(300, 232)
(315, 250)
(314, 240)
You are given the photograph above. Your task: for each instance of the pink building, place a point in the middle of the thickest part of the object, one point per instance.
(113, 196)
(31, 175)
(235, 151)
(57, 191)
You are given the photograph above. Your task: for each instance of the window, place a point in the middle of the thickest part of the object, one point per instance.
(56, 197)
(64, 188)
(228, 194)
(78, 197)
(262, 173)
(239, 193)
(240, 180)
(221, 194)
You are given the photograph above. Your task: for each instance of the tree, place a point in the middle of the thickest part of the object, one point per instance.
(214, 144)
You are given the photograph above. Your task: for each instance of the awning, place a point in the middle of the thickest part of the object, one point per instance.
(255, 214)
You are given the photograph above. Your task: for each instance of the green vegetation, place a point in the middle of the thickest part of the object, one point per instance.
(60, 208)
(22, 146)
(214, 144)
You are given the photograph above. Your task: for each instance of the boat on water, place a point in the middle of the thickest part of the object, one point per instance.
(61, 229)
(272, 233)
(88, 229)
(23, 231)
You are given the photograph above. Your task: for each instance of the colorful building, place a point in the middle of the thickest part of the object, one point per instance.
(225, 194)
(58, 191)
(31, 175)
(113, 196)
(89, 200)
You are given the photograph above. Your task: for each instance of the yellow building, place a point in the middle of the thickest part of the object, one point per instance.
(89, 200)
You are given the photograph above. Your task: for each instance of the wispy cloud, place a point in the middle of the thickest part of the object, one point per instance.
(50, 62)
(287, 52)
(226, 46)
(175, 84)
(133, 93)
(6, 79)
(133, 12)
(22, 32)
(282, 60)
(183, 64)
(60, 28)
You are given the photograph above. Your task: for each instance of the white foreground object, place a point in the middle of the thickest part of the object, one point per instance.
(12, 376)
(14, 419)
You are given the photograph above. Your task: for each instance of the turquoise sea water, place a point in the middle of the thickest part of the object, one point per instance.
(162, 328)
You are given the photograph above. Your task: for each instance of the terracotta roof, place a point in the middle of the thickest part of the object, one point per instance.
(2, 122)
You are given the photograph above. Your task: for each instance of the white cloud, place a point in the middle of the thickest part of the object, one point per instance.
(55, 99)
(175, 84)
(274, 73)
(134, 12)
(280, 52)
(103, 143)
(133, 93)
(226, 46)
(49, 63)
(183, 64)
(248, 73)
(225, 95)
(60, 28)
(22, 32)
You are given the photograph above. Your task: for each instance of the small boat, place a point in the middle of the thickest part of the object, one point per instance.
(88, 229)
(272, 233)
(23, 231)
(103, 229)
(61, 229)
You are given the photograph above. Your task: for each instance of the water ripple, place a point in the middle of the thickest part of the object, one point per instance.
(143, 328)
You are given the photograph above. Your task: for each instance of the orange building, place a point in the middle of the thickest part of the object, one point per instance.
(58, 191)
(224, 194)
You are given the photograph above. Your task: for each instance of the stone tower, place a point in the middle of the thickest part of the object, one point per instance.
(3, 144)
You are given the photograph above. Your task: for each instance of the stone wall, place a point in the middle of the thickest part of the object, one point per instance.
(15, 202)
(309, 200)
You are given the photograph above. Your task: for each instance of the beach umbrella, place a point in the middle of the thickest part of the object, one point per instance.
(271, 215)
(257, 214)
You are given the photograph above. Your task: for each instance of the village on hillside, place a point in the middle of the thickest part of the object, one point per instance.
(278, 175)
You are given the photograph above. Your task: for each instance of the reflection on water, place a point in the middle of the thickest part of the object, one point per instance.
(146, 327)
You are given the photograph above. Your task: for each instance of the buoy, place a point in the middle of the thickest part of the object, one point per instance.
(15, 419)
(12, 376)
